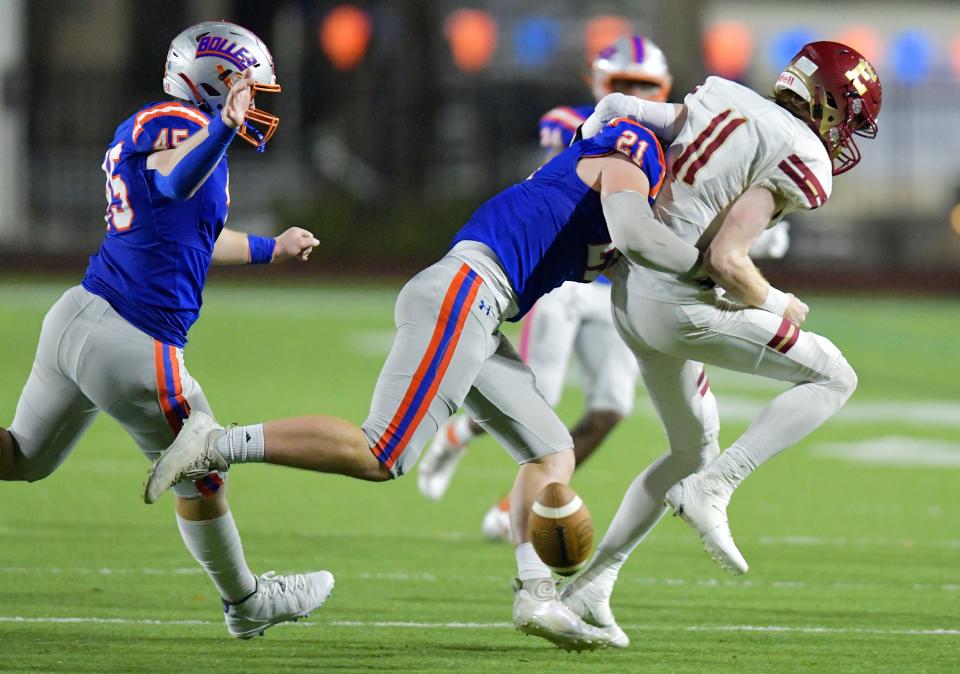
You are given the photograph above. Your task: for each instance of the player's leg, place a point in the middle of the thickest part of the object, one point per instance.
(546, 344)
(609, 372)
(506, 402)
(145, 386)
(688, 410)
(546, 341)
(756, 342)
(440, 344)
(52, 412)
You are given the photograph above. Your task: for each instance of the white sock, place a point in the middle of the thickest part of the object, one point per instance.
(215, 544)
(460, 433)
(529, 565)
(242, 444)
(733, 466)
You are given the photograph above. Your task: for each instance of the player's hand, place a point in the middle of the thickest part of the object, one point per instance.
(239, 100)
(295, 242)
(796, 311)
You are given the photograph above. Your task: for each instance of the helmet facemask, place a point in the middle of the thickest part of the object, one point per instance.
(837, 128)
(249, 130)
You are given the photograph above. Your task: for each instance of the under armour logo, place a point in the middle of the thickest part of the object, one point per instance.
(485, 307)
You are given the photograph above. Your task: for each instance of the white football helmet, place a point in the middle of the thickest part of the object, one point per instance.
(633, 58)
(201, 66)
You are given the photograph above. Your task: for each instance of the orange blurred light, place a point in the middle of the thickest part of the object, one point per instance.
(345, 35)
(864, 39)
(727, 49)
(472, 35)
(602, 31)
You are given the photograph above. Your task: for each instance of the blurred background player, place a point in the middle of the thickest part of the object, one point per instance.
(115, 342)
(576, 319)
(739, 162)
(448, 350)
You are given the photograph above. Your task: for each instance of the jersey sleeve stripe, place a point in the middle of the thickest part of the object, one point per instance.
(165, 110)
(701, 161)
(694, 147)
(810, 177)
(567, 117)
(800, 182)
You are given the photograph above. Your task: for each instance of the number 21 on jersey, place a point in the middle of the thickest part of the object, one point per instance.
(119, 215)
(628, 145)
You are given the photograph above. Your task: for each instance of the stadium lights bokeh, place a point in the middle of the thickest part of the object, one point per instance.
(729, 47)
(344, 36)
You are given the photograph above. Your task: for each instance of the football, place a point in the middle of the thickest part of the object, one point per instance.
(561, 529)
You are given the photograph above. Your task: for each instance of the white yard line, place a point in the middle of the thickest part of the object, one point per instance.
(425, 577)
(795, 629)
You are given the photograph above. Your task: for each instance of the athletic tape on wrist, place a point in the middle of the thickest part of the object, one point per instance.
(776, 302)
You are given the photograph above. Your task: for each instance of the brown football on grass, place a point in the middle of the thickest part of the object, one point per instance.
(561, 529)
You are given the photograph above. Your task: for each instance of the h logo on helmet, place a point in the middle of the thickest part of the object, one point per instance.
(862, 72)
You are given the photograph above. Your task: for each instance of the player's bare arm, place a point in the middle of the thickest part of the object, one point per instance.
(634, 230)
(233, 247)
(204, 151)
(727, 258)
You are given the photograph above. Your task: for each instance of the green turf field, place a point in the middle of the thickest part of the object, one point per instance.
(853, 537)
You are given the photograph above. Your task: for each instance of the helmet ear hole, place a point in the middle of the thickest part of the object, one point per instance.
(211, 91)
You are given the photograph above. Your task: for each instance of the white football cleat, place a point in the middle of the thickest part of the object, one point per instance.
(702, 503)
(277, 599)
(496, 524)
(591, 601)
(439, 462)
(537, 610)
(191, 456)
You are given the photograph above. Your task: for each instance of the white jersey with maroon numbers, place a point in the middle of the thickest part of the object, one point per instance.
(734, 139)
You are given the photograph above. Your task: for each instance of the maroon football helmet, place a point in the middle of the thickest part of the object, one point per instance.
(843, 93)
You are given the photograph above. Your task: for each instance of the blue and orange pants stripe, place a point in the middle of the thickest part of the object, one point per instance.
(169, 388)
(174, 404)
(433, 365)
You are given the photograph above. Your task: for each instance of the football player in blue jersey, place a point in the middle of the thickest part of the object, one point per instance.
(575, 319)
(568, 222)
(115, 342)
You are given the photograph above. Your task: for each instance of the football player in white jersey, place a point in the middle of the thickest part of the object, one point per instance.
(738, 162)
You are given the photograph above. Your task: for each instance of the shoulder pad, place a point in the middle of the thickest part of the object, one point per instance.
(150, 122)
